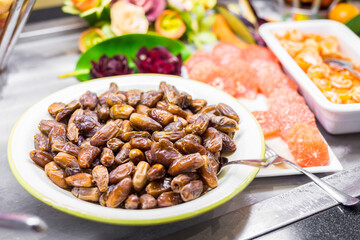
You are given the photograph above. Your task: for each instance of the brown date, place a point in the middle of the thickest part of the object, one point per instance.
(172, 108)
(191, 190)
(156, 171)
(150, 98)
(103, 112)
(174, 126)
(80, 180)
(223, 123)
(142, 109)
(168, 199)
(41, 142)
(45, 126)
(107, 157)
(197, 104)
(132, 202)
(72, 171)
(101, 177)
(147, 201)
(104, 134)
(72, 130)
(86, 194)
(211, 109)
(144, 123)
(142, 143)
(162, 152)
(187, 163)
(134, 134)
(57, 134)
(123, 154)
(56, 174)
(171, 94)
(40, 157)
(139, 178)
(214, 161)
(178, 182)
(199, 126)
(115, 99)
(121, 111)
(120, 172)
(114, 144)
(161, 116)
(85, 143)
(103, 97)
(134, 97)
(86, 124)
(227, 111)
(136, 155)
(189, 144)
(87, 155)
(228, 144)
(212, 140)
(89, 100)
(66, 160)
(119, 193)
(55, 108)
(185, 100)
(66, 147)
(207, 173)
(68, 110)
(125, 127)
(172, 136)
(157, 187)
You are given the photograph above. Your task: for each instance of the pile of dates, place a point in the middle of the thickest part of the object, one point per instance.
(135, 149)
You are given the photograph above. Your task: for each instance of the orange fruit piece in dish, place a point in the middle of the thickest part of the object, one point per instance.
(198, 56)
(307, 146)
(210, 73)
(268, 123)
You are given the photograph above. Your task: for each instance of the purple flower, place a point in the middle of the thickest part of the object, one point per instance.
(158, 60)
(105, 67)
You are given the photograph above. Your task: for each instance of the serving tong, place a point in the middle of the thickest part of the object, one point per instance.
(271, 157)
(18, 14)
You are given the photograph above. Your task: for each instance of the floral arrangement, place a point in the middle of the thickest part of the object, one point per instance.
(190, 20)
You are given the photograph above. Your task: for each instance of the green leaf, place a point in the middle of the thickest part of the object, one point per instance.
(236, 25)
(354, 24)
(70, 8)
(127, 45)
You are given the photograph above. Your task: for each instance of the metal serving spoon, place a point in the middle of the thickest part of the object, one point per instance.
(271, 157)
(22, 222)
(342, 64)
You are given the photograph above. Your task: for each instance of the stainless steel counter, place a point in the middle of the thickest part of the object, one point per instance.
(32, 74)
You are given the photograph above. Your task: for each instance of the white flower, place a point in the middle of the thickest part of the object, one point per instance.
(128, 18)
(184, 5)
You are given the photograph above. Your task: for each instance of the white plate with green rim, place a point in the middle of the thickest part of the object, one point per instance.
(232, 180)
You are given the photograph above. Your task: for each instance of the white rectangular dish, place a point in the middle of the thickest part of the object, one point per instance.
(335, 118)
(279, 146)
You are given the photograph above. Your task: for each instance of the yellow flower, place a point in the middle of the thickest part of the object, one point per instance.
(128, 18)
(208, 4)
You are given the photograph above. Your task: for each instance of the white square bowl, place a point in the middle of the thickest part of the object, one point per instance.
(335, 118)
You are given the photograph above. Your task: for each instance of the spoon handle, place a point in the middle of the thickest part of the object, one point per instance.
(22, 221)
(339, 196)
(353, 72)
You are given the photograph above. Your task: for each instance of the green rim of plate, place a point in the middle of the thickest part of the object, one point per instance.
(76, 213)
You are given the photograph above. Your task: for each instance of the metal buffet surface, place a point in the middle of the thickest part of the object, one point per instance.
(42, 55)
